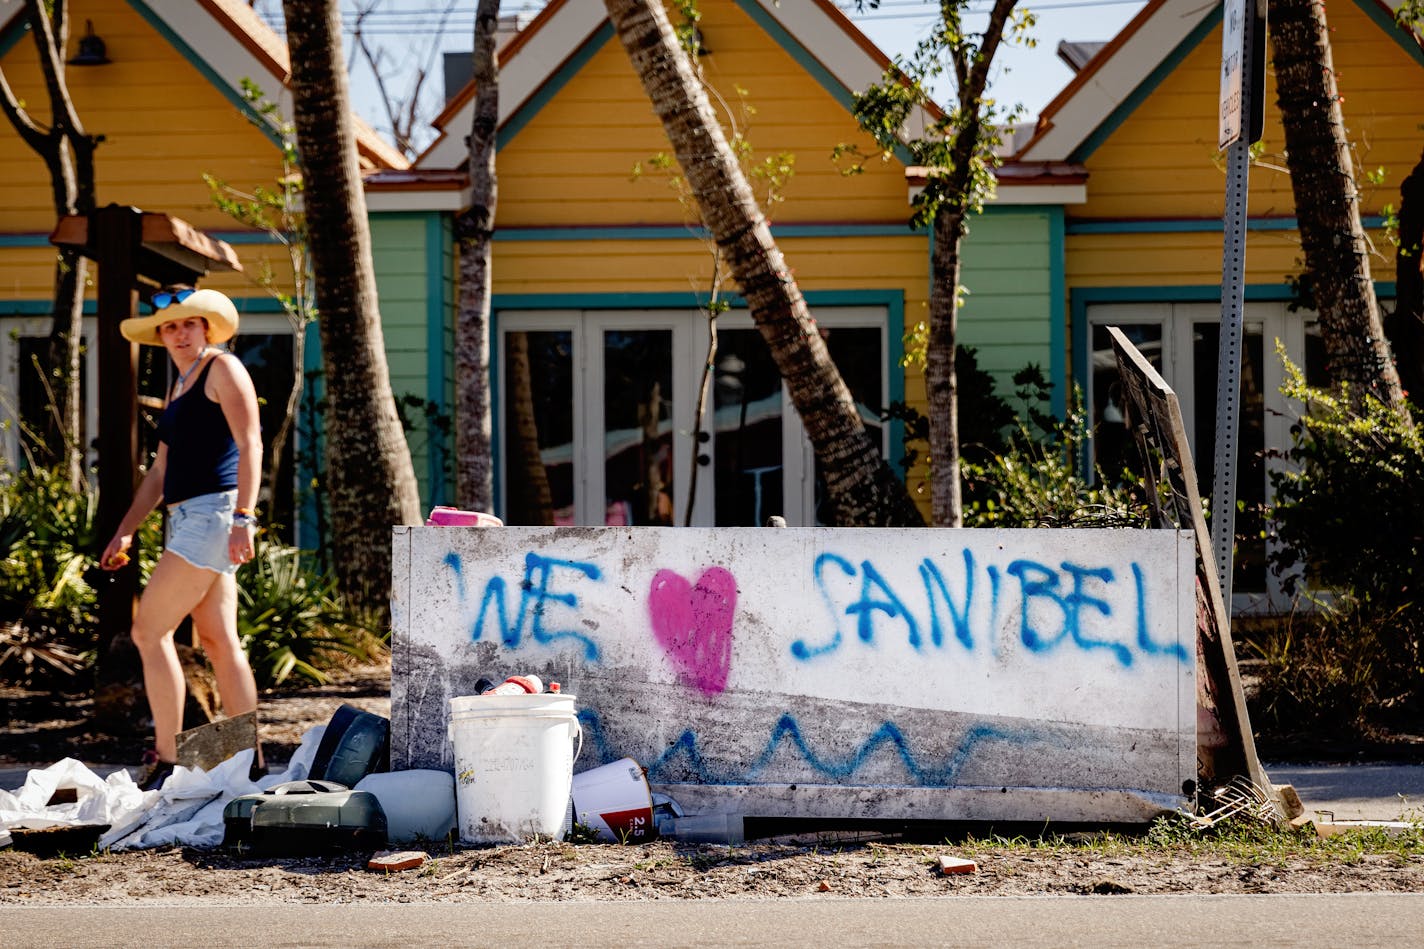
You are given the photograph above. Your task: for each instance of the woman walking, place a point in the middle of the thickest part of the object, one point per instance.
(206, 472)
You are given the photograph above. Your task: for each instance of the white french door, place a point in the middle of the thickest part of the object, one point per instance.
(597, 412)
(1181, 340)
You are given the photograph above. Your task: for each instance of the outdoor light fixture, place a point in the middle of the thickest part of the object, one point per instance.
(91, 48)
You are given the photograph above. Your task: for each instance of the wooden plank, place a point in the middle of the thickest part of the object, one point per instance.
(208, 746)
(1225, 744)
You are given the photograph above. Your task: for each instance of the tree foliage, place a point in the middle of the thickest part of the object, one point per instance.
(277, 210)
(68, 153)
(957, 152)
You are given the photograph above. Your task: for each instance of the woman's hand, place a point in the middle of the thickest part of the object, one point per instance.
(240, 541)
(115, 555)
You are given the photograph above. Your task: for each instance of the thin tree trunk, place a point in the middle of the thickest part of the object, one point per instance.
(68, 153)
(862, 487)
(941, 382)
(371, 481)
(1327, 203)
(474, 228)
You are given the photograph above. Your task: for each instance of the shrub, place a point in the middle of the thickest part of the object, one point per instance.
(289, 617)
(290, 620)
(1036, 477)
(1348, 507)
(46, 606)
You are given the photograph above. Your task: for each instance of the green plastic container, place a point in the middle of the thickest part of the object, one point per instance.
(305, 817)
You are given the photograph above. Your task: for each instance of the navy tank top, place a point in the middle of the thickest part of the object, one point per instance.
(202, 455)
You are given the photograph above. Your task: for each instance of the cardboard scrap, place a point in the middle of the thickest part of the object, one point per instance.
(954, 865)
(392, 861)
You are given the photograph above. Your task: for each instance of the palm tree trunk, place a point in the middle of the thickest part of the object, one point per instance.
(1405, 326)
(369, 472)
(1327, 203)
(862, 487)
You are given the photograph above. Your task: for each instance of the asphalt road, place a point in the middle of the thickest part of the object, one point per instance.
(1380, 792)
(1355, 920)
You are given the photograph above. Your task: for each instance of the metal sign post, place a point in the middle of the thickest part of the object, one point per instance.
(1242, 92)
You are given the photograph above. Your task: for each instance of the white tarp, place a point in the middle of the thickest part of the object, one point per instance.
(187, 810)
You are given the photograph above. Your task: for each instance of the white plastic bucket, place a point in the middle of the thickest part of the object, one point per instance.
(514, 764)
(614, 800)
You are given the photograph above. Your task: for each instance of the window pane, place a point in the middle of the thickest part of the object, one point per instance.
(1249, 575)
(746, 405)
(268, 358)
(1112, 443)
(857, 354)
(539, 428)
(39, 431)
(637, 427)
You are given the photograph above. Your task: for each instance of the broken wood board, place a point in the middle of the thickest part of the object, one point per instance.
(208, 746)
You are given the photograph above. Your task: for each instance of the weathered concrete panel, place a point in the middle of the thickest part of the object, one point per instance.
(825, 672)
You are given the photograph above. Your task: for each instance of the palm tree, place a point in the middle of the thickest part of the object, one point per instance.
(1327, 203)
(370, 478)
(861, 485)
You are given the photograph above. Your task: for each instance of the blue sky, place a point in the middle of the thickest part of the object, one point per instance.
(412, 33)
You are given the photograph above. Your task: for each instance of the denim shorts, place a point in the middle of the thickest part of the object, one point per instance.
(198, 530)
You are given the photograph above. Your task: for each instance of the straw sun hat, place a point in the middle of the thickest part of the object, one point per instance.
(211, 305)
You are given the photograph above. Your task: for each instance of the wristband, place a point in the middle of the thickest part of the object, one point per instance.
(246, 511)
(243, 520)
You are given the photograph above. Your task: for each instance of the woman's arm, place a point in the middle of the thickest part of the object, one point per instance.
(232, 387)
(146, 498)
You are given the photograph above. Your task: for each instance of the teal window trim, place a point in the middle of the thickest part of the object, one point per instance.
(1057, 310)
(553, 85)
(13, 34)
(201, 65)
(91, 306)
(309, 533)
(437, 312)
(1145, 89)
(1194, 225)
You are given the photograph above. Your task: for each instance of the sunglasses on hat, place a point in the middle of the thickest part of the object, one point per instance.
(162, 298)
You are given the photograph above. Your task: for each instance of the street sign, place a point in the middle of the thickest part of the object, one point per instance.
(1233, 28)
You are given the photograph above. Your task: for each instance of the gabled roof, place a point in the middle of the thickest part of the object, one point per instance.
(1109, 80)
(226, 41)
(1121, 74)
(828, 44)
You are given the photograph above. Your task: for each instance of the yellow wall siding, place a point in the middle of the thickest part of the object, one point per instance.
(1162, 163)
(573, 163)
(163, 123)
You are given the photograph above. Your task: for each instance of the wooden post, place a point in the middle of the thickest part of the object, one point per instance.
(115, 234)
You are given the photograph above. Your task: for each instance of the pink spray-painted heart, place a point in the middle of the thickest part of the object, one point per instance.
(693, 624)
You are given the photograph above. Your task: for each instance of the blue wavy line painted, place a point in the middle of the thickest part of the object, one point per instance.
(684, 758)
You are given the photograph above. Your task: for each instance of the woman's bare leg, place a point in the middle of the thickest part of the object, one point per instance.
(215, 622)
(174, 589)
